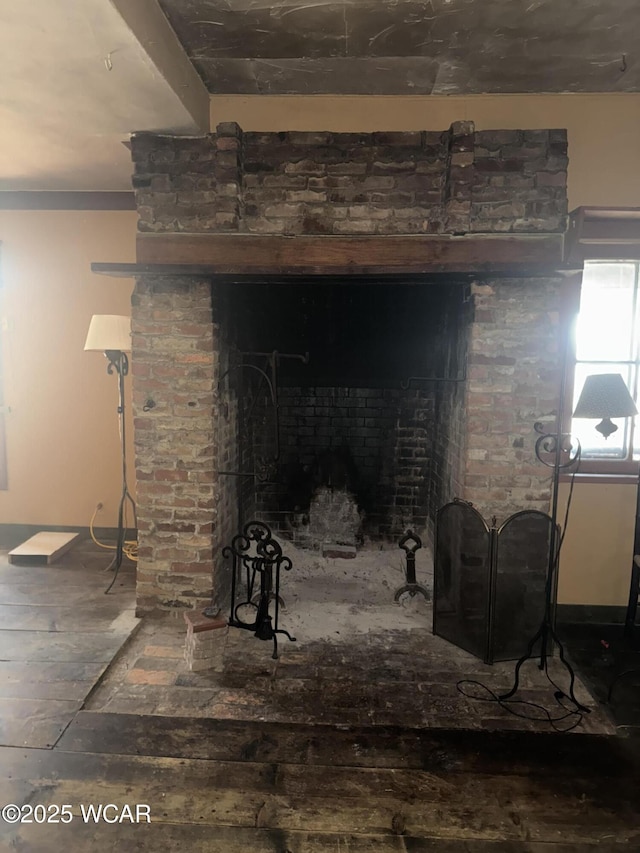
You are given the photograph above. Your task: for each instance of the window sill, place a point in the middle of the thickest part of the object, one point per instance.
(603, 479)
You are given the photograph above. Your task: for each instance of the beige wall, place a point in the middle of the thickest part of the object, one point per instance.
(62, 430)
(595, 563)
(604, 154)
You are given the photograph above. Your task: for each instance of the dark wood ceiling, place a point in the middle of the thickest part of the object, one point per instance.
(391, 47)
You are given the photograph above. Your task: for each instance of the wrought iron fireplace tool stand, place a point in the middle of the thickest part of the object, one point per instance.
(557, 445)
(257, 552)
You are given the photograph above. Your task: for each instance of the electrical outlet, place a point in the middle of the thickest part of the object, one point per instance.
(99, 506)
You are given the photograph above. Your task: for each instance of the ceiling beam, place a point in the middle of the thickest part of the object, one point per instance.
(150, 27)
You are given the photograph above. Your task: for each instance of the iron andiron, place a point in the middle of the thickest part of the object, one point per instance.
(410, 543)
(257, 553)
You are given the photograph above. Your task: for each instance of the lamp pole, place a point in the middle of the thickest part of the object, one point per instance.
(119, 362)
(634, 588)
(558, 444)
(111, 334)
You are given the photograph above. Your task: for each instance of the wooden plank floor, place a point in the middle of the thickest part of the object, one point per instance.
(235, 787)
(174, 838)
(58, 634)
(437, 750)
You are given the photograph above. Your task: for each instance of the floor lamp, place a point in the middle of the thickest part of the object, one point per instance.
(111, 334)
(563, 454)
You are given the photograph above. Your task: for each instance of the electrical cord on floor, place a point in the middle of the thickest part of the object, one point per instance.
(130, 548)
(573, 715)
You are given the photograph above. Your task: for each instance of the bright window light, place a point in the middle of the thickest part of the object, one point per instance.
(607, 342)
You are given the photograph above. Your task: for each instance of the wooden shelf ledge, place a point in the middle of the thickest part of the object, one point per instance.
(603, 233)
(252, 254)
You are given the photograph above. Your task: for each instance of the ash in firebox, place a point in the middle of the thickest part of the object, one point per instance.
(332, 599)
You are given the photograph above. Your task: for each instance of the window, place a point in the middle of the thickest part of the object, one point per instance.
(607, 341)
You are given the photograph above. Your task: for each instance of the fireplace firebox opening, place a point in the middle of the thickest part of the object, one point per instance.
(344, 397)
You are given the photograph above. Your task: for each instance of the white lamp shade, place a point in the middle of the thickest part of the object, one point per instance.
(109, 332)
(605, 395)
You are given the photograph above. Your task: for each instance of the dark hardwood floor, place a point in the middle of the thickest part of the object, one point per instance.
(609, 665)
(243, 786)
(236, 787)
(58, 634)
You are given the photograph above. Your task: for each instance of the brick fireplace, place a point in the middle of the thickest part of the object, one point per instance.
(423, 378)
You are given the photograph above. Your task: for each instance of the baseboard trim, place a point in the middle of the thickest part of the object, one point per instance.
(12, 535)
(596, 614)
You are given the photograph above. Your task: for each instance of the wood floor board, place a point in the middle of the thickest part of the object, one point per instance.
(48, 672)
(16, 708)
(62, 574)
(53, 594)
(175, 838)
(446, 751)
(345, 800)
(36, 723)
(58, 633)
(100, 617)
(71, 646)
(38, 734)
(64, 690)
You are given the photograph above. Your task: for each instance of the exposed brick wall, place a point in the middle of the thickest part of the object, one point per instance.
(227, 458)
(388, 434)
(247, 462)
(414, 182)
(514, 367)
(407, 468)
(484, 446)
(519, 181)
(450, 416)
(185, 509)
(447, 472)
(344, 183)
(188, 183)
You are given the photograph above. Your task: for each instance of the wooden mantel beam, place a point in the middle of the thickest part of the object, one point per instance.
(253, 254)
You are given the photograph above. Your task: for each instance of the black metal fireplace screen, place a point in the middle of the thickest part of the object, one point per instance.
(489, 582)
